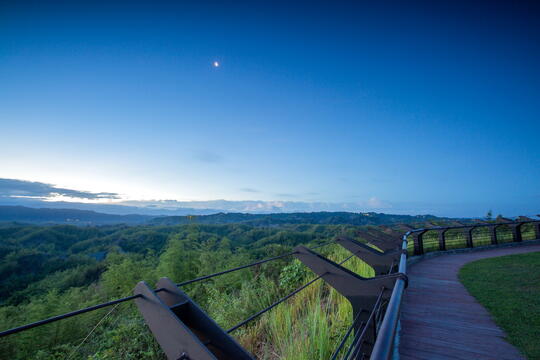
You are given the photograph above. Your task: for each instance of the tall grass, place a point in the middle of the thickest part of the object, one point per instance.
(310, 324)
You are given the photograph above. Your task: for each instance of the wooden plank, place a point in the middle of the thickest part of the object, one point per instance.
(441, 320)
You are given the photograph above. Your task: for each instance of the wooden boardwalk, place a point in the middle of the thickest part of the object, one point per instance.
(440, 320)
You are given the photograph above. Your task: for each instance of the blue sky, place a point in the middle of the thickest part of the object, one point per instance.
(424, 107)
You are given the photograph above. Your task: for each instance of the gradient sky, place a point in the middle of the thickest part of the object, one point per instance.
(423, 106)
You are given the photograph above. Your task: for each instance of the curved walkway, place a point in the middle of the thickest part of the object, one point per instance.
(440, 320)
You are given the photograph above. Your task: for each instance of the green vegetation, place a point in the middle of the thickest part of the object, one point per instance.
(278, 219)
(509, 287)
(65, 216)
(49, 270)
(86, 217)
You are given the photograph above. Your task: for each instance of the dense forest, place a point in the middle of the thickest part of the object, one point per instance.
(86, 217)
(65, 216)
(277, 219)
(49, 270)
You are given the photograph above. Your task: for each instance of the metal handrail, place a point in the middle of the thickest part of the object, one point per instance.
(359, 337)
(473, 225)
(383, 347)
(276, 303)
(133, 297)
(65, 316)
(384, 343)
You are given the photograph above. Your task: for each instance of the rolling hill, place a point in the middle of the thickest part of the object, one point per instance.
(65, 216)
(321, 218)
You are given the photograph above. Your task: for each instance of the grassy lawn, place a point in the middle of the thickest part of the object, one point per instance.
(509, 288)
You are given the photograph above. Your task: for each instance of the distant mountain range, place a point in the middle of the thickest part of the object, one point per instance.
(322, 218)
(86, 217)
(66, 216)
(32, 194)
(116, 209)
(15, 192)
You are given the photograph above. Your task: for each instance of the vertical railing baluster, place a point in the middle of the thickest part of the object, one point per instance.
(493, 234)
(442, 239)
(516, 233)
(468, 236)
(418, 239)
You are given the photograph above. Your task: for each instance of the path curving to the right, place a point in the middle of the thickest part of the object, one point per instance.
(440, 320)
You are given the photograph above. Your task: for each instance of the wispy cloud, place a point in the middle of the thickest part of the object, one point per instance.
(250, 190)
(209, 157)
(376, 203)
(287, 195)
(21, 188)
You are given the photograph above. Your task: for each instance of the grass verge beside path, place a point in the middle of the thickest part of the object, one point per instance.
(509, 288)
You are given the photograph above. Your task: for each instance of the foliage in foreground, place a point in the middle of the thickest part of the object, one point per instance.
(114, 259)
(509, 288)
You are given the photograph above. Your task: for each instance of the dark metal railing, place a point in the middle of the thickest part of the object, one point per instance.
(133, 297)
(355, 348)
(383, 348)
(291, 294)
(384, 345)
(66, 315)
(185, 331)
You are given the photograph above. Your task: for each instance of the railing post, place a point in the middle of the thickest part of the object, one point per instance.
(418, 239)
(442, 239)
(385, 243)
(516, 233)
(361, 292)
(383, 349)
(468, 236)
(381, 262)
(182, 329)
(493, 234)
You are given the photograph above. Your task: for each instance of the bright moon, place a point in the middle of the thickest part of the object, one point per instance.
(216, 64)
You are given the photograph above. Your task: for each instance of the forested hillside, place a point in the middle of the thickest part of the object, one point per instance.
(86, 217)
(48, 270)
(322, 217)
(66, 216)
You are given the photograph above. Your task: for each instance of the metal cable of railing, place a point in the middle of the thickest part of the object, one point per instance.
(254, 316)
(74, 351)
(246, 266)
(359, 337)
(349, 330)
(389, 311)
(346, 336)
(67, 315)
(132, 297)
(383, 349)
